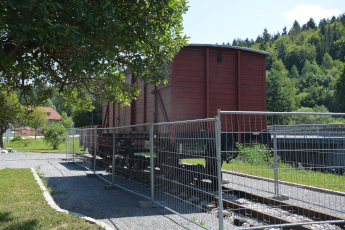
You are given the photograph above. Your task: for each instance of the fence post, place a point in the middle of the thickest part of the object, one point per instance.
(66, 144)
(94, 152)
(180, 153)
(276, 182)
(84, 131)
(113, 165)
(73, 131)
(152, 166)
(219, 169)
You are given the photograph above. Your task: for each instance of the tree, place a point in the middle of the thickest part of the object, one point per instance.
(234, 42)
(280, 89)
(311, 24)
(49, 103)
(313, 119)
(266, 36)
(10, 112)
(84, 117)
(281, 45)
(66, 121)
(83, 47)
(37, 118)
(276, 36)
(294, 73)
(338, 49)
(54, 135)
(327, 62)
(259, 40)
(61, 104)
(284, 31)
(339, 94)
(295, 30)
(297, 55)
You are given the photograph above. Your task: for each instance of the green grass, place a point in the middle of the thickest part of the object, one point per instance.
(38, 146)
(52, 189)
(22, 205)
(286, 173)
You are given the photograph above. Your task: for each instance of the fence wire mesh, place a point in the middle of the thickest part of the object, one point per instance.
(186, 178)
(296, 159)
(69, 144)
(273, 171)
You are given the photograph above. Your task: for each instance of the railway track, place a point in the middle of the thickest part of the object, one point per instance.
(247, 208)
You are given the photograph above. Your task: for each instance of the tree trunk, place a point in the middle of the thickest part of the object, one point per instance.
(35, 133)
(1, 140)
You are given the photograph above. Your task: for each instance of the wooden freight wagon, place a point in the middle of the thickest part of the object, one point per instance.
(202, 78)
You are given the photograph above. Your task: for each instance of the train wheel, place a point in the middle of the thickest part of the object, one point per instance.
(119, 161)
(128, 161)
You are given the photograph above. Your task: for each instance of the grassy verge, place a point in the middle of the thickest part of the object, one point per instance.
(286, 172)
(38, 146)
(22, 205)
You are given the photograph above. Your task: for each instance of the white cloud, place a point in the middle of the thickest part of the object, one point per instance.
(302, 13)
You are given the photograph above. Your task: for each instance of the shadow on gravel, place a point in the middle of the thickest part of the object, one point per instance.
(86, 195)
(71, 166)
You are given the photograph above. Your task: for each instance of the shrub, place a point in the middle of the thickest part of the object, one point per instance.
(26, 141)
(16, 139)
(54, 135)
(254, 153)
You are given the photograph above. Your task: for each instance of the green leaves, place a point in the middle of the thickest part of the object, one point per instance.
(75, 46)
(37, 118)
(54, 135)
(11, 112)
(340, 91)
(280, 89)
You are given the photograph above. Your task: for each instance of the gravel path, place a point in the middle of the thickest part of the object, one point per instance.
(73, 191)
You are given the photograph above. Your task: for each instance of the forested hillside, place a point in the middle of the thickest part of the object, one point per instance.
(305, 69)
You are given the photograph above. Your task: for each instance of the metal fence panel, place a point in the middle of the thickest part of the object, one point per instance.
(277, 155)
(69, 144)
(77, 146)
(279, 170)
(186, 170)
(174, 165)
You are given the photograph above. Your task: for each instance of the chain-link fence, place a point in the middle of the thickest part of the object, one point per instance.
(270, 170)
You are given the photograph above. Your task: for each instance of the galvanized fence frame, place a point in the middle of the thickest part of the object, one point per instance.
(88, 138)
(242, 118)
(179, 128)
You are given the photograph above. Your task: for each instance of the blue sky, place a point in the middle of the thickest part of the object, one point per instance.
(220, 21)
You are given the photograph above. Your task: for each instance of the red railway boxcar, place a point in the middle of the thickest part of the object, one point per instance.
(202, 78)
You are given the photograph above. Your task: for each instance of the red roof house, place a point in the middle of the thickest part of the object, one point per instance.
(52, 114)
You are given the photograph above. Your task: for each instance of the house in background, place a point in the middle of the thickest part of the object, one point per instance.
(53, 116)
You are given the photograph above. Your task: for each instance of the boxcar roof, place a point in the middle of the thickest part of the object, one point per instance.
(231, 47)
